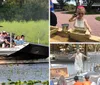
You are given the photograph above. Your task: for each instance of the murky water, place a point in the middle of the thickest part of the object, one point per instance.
(24, 72)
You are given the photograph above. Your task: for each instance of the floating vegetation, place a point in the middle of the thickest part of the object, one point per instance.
(29, 82)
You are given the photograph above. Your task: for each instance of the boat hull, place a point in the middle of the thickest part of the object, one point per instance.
(32, 51)
(9, 51)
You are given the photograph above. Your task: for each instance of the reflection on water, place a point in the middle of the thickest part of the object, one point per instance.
(24, 72)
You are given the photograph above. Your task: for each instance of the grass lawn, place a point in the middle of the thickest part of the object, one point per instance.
(98, 18)
(34, 31)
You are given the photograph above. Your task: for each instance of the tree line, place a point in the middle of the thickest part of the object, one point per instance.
(89, 3)
(23, 10)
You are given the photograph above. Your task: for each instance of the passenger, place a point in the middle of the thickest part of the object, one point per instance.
(79, 22)
(77, 82)
(22, 39)
(53, 19)
(7, 40)
(51, 6)
(17, 40)
(13, 38)
(62, 81)
(87, 82)
(1, 39)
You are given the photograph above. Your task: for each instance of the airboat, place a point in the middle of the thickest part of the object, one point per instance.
(11, 50)
(25, 50)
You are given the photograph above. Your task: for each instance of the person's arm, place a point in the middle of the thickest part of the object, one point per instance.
(73, 18)
(72, 56)
(15, 42)
(85, 56)
(87, 26)
(6, 41)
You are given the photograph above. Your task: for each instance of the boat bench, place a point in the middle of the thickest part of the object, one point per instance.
(53, 29)
(77, 36)
(82, 37)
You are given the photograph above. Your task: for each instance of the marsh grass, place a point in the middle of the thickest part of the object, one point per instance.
(34, 31)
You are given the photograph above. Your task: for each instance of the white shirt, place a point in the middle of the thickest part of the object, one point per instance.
(78, 62)
(79, 23)
(1, 38)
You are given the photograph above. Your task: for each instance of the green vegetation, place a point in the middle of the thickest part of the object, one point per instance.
(93, 12)
(27, 17)
(34, 31)
(98, 18)
(69, 7)
(30, 82)
(19, 10)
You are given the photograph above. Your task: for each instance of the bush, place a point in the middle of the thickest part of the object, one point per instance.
(92, 12)
(69, 7)
(29, 82)
(98, 18)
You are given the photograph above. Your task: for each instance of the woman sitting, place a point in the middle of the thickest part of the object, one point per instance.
(17, 40)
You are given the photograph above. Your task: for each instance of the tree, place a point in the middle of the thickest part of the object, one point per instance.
(90, 3)
(62, 3)
(20, 2)
(77, 4)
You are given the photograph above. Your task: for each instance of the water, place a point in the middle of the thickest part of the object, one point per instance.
(88, 65)
(24, 72)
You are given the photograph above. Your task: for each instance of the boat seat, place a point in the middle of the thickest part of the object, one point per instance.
(79, 31)
(53, 29)
(81, 36)
(95, 38)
